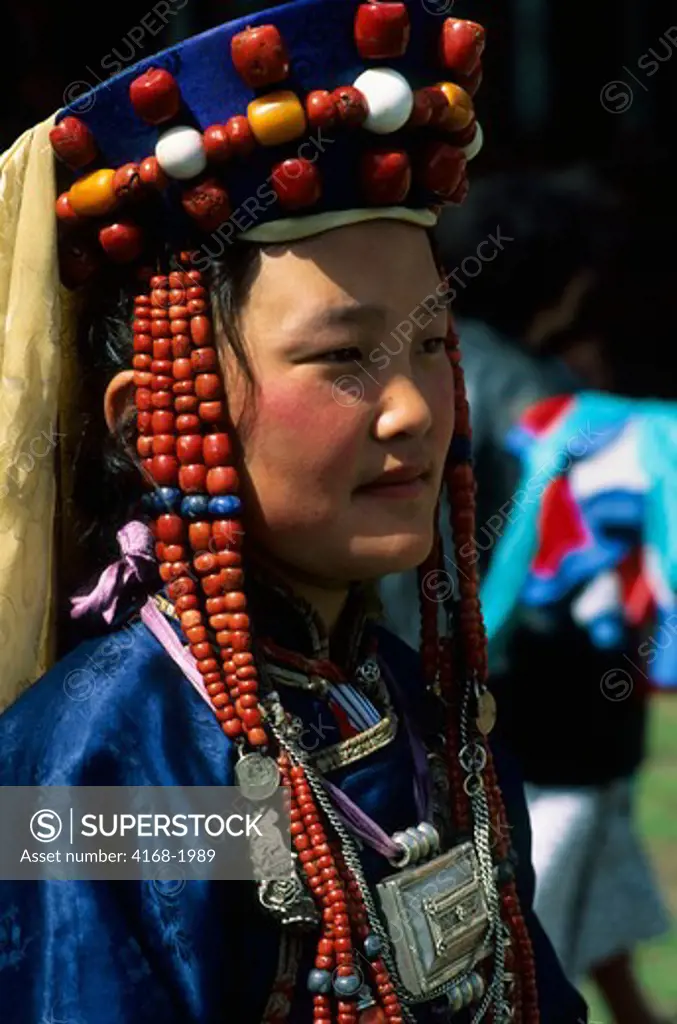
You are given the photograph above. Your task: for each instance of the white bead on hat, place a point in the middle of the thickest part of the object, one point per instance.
(180, 152)
(389, 98)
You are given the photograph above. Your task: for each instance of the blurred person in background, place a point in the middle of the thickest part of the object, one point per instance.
(579, 599)
(532, 327)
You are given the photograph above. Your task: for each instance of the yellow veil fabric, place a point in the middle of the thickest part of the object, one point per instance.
(36, 336)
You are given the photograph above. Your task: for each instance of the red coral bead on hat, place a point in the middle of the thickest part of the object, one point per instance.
(240, 135)
(461, 45)
(65, 213)
(155, 96)
(260, 56)
(352, 106)
(73, 142)
(442, 168)
(382, 30)
(152, 174)
(297, 183)
(208, 204)
(217, 143)
(127, 183)
(423, 109)
(321, 109)
(122, 242)
(386, 177)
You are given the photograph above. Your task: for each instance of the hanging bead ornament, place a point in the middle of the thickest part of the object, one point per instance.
(184, 414)
(335, 981)
(473, 662)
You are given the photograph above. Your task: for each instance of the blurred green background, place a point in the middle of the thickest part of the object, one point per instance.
(657, 823)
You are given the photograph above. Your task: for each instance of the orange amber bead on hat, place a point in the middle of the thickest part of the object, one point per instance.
(94, 195)
(460, 111)
(277, 118)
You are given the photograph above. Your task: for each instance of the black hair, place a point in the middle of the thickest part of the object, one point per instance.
(542, 229)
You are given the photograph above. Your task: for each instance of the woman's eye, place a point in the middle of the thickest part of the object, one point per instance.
(433, 345)
(341, 355)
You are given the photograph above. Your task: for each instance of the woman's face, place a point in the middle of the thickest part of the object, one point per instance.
(351, 382)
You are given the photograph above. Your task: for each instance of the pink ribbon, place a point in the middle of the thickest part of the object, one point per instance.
(136, 566)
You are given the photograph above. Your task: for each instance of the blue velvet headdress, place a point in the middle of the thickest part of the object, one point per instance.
(293, 148)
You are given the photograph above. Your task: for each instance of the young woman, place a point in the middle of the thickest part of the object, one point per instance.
(287, 454)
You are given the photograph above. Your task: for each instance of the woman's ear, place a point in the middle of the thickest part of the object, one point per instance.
(118, 399)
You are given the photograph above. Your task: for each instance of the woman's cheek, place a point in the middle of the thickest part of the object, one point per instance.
(299, 422)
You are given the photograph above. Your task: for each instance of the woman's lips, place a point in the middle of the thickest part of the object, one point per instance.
(397, 487)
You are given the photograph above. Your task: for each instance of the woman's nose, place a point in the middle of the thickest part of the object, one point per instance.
(403, 410)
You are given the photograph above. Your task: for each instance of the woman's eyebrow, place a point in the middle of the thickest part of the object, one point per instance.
(350, 314)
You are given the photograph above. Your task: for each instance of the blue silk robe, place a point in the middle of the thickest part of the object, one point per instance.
(118, 711)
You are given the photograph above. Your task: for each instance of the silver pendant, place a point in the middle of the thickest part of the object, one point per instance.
(290, 903)
(486, 712)
(369, 671)
(437, 918)
(257, 776)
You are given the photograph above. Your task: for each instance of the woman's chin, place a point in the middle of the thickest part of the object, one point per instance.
(391, 555)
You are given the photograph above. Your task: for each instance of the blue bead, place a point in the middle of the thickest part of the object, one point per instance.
(372, 947)
(166, 499)
(226, 506)
(195, 506)
(478, 985)
(348, 986)
(455, 999)
(319, 982)
(467, 991)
